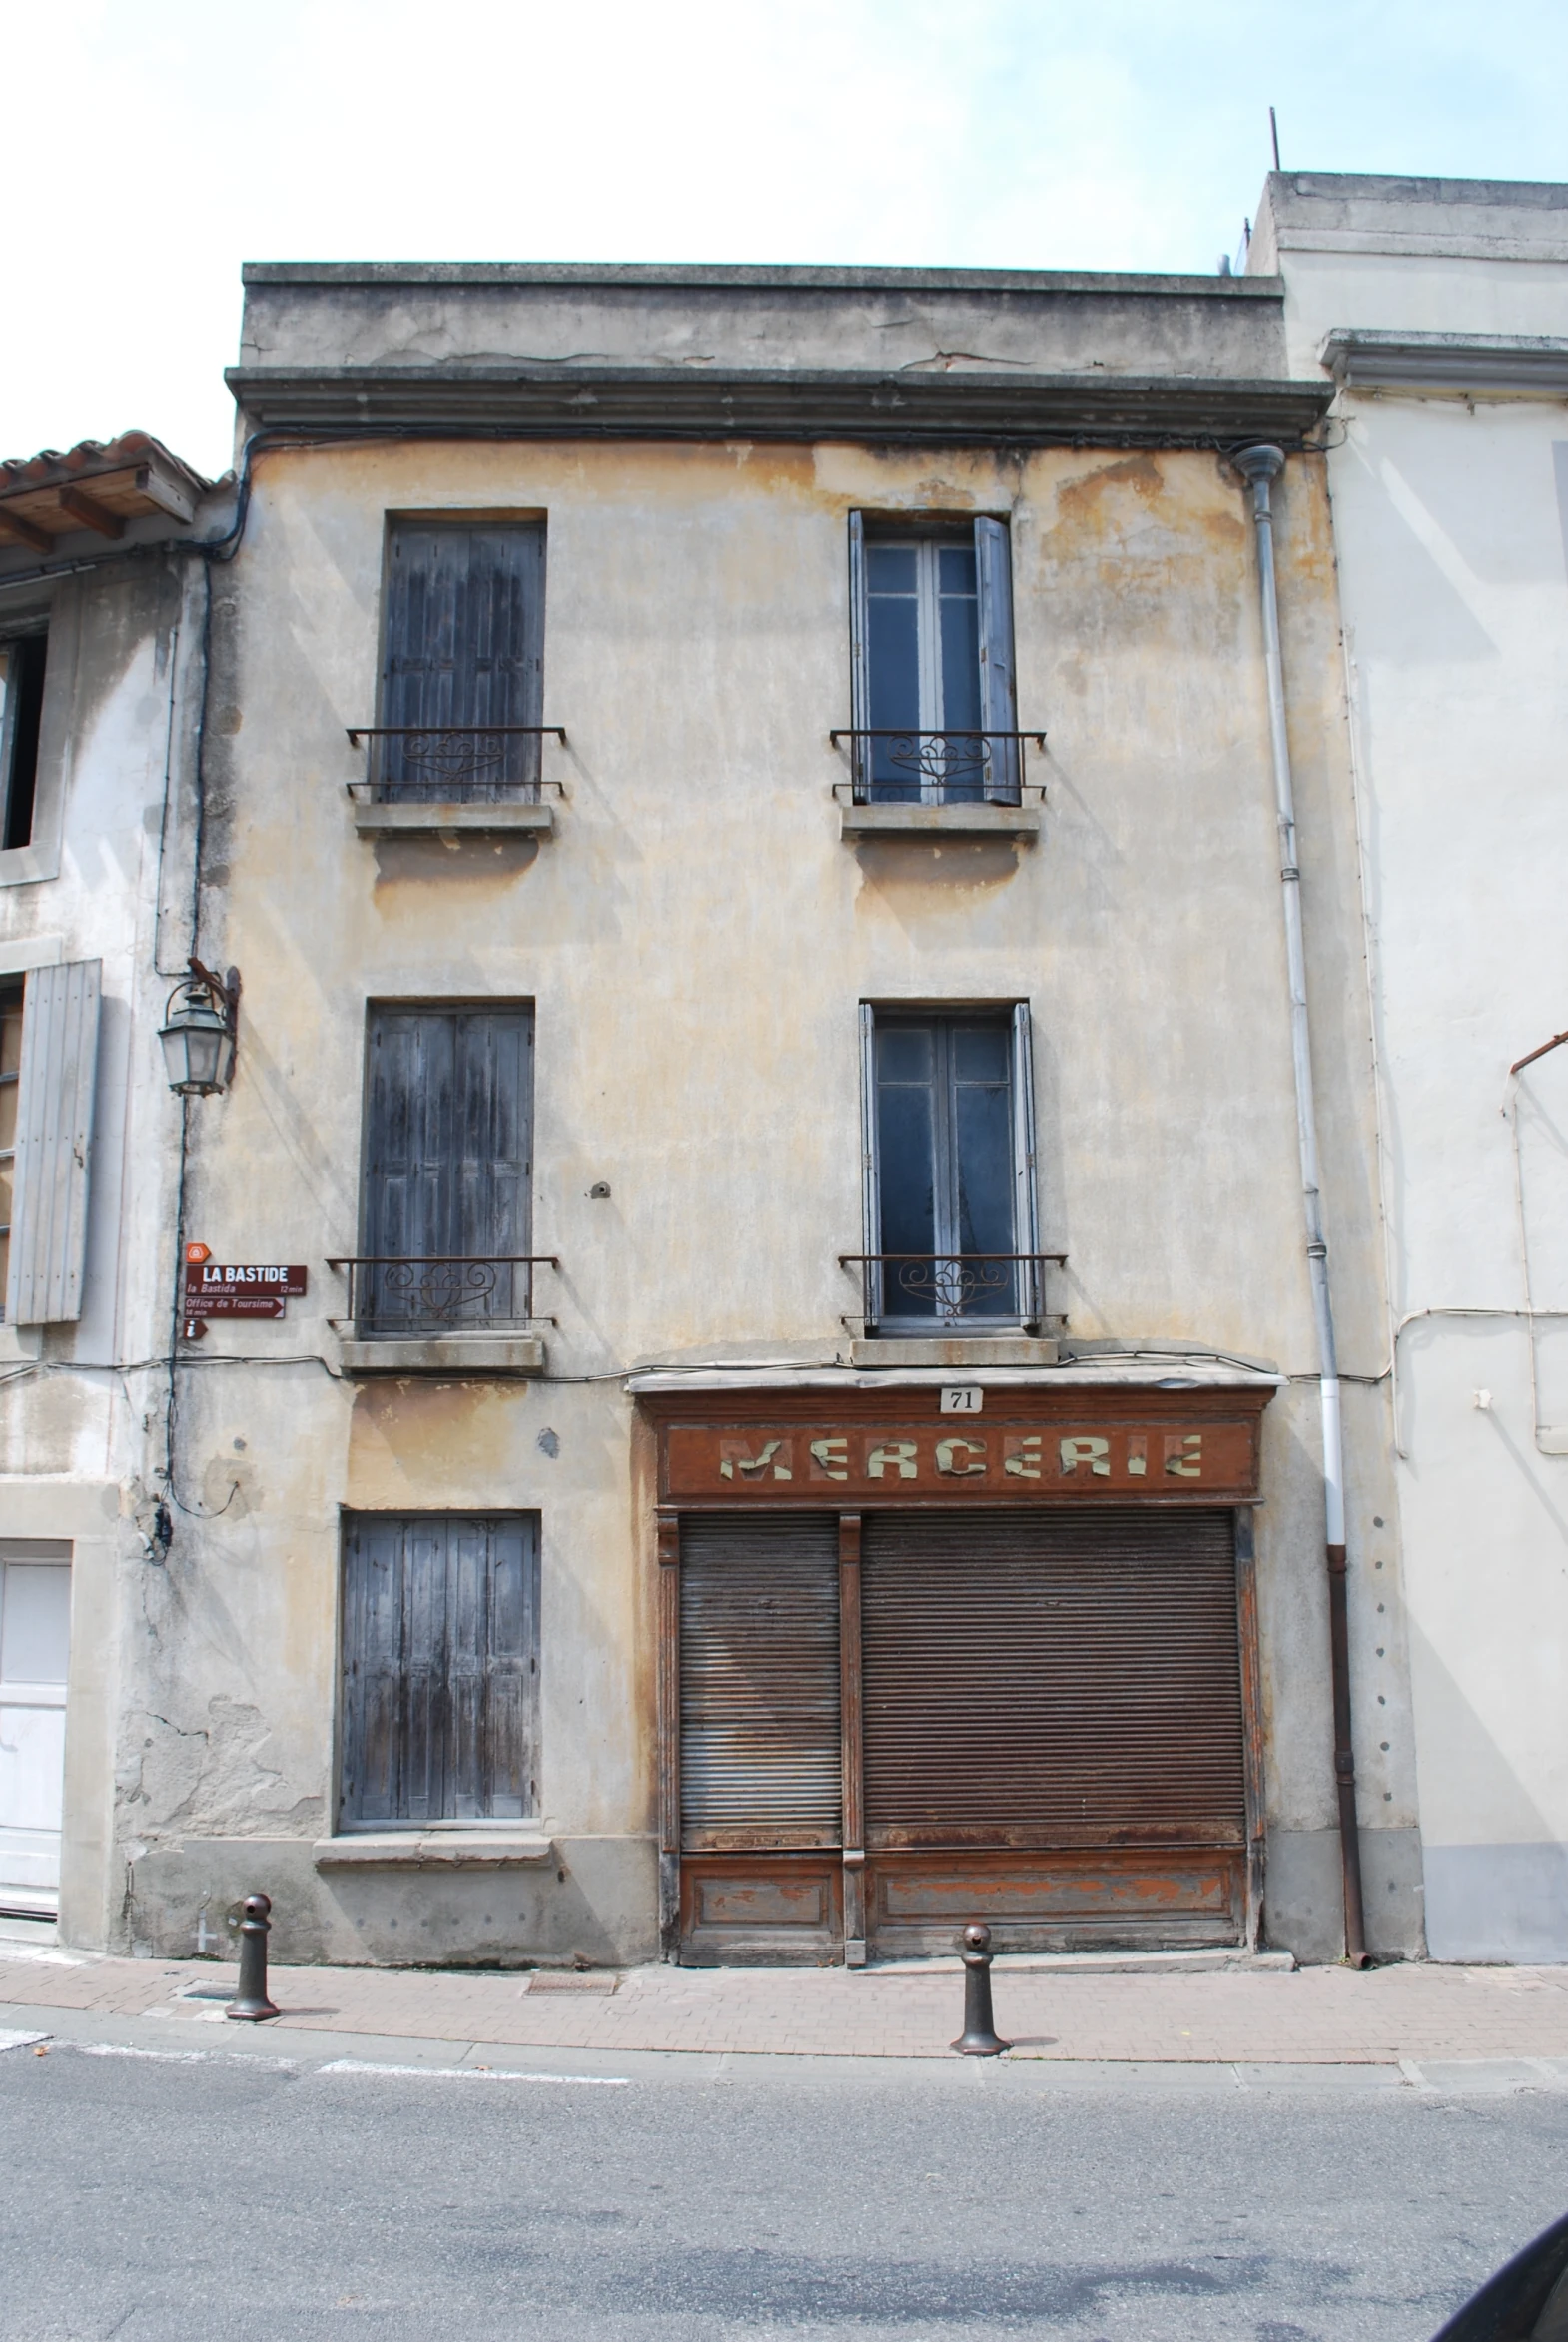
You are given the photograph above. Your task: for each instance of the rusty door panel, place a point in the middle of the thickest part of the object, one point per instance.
(1059, 1901)
(754, 1909)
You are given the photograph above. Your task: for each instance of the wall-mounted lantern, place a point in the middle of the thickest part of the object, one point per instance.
(200, 1025)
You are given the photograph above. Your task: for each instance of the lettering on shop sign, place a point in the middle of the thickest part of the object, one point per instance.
(1017, 1460)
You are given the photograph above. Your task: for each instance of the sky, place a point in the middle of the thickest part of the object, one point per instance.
(182, 137)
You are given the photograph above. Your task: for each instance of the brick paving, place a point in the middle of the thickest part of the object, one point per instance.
(1311, 2017)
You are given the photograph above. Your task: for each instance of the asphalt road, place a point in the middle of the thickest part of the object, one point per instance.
(158, 2198)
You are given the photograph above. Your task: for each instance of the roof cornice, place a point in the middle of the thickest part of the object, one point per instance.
(970, 407)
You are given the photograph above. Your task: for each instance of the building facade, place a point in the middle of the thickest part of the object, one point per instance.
(1437, 308)
(747, 1379)
(100, 633)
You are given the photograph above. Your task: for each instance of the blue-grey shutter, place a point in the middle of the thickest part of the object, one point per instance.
(463, 646)
(441, 1649)
(859, 669)
(447, 1159)
(870, 1164)
(54, 1137)
(1026, 1210)
(997, 696)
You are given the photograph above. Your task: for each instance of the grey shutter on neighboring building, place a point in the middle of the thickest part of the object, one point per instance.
(464, 646)
(441, 1655)
(1026, 1208)
(448, 1145)
(998, 697)
(54, 1134)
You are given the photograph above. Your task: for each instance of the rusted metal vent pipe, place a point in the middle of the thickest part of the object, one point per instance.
(1260, 467)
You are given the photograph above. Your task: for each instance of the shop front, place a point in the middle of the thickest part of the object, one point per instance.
(930, 1655)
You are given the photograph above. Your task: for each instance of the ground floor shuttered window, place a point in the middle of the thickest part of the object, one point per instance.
(441, 1668)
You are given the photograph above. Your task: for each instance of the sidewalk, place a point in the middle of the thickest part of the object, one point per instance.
(1313, 2016)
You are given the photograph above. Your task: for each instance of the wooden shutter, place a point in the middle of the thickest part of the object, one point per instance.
(440, 1644)
(54, 1135)
(1026, 1193)
(760, 1753)
(1050, 1678)
(448, 1145)
(998, 697)
(465, 639)
(859, 669)
(870, 1164)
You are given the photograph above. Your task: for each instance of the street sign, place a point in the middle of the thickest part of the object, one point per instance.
(244, 1289)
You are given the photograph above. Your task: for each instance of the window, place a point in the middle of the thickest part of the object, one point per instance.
(441, 1668)
(949, 1193)
(446, 1213)
(462, 661)
(933, 688)
(21, 716)
(10, 1071)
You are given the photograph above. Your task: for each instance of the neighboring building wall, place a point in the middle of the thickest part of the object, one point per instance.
(696, 938)
(1449, 476)
(82, 1399)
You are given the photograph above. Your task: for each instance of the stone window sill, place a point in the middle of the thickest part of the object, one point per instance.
(459, 1356)
(475, 1849)
(1018, 822)
(423, 821)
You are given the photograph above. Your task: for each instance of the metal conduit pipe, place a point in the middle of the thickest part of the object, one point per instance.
(1260, 467)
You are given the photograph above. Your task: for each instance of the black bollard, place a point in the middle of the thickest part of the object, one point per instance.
(250, 2005)
(978, 2038)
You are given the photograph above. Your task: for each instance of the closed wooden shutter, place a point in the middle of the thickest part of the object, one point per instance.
(448, 1144)
(759, 1682)
(464, 640)
(54, 1138)
(440, 1643)
(1049, 1678)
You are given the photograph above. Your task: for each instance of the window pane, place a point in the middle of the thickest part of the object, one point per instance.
(984, 1191)
(10, 1032)
(35, 1622)
(890, 568)
(960, 618)
(9, 1094)
(981, 1053)
(904, 1053)
(909, 1177)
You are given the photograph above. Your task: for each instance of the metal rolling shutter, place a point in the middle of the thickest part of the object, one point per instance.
(1050, 1678)
(759, 1682)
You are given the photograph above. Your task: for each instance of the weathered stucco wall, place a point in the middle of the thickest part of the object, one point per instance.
(696, 938)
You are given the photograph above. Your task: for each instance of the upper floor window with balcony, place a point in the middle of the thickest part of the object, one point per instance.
(445, 1212)
(462, 663)
(950, 1217)
(935, 711)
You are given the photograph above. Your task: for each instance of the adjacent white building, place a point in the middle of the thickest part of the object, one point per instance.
(1440, 308)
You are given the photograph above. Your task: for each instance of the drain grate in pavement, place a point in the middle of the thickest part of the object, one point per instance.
(573, 1980)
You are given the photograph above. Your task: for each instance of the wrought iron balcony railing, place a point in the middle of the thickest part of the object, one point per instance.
(894, 767)
(984, 1290)
(392, 1297)
(455, 764)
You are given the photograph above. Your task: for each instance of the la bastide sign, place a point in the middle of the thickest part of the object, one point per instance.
(215, 1289)
(1214, 1458)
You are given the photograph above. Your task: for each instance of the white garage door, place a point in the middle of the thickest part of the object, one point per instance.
(35, 1637)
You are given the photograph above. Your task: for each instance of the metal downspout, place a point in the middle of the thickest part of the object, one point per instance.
(1260, 467)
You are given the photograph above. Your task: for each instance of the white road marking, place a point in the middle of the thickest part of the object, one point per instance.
(592, 2081)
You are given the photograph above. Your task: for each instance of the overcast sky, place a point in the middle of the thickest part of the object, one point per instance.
(158, 143)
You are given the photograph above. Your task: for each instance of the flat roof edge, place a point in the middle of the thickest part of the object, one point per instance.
(703, 277)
